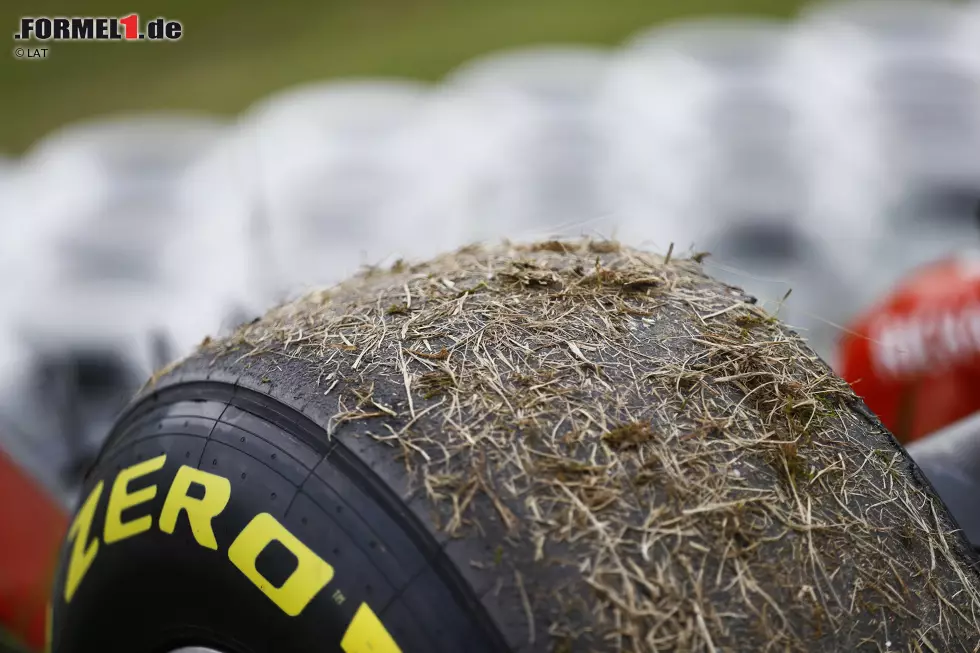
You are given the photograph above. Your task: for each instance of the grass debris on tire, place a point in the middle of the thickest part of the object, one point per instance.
(558, 447)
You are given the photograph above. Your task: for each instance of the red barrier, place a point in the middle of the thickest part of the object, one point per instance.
(915, 356)
(32, 526)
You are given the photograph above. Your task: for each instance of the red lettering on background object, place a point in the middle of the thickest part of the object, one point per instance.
(926, 341)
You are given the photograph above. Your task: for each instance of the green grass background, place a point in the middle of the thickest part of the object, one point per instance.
(234, 53)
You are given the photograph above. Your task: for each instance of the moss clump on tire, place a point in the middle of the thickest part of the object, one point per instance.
(619, 453)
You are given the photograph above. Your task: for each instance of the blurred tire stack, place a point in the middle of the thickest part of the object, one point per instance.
(538, 147)
(101, 280)
(826, 155)
(906, 74)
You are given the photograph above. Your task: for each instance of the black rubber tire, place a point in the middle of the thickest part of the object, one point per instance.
(263, 423)
(157, 592)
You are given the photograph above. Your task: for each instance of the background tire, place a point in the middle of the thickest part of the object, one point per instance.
(529, 536)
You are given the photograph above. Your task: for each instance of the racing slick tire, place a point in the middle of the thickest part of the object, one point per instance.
(552, 447)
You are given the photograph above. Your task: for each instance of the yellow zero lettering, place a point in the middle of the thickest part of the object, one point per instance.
(311, 575)
(200, 512)
(82, 552)
(366, 634)
(120, 498)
